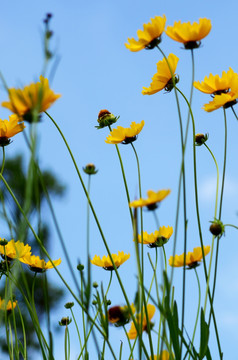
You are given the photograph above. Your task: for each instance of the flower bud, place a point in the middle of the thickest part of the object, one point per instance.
(69, 305)
(95, 284)
(80, 267)
(65, 321)
(217, 228)
(3, 242)
(105, 118)
(90, 169)
(200, 139)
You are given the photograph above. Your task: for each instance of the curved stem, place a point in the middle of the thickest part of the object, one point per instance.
(234, 113)
(198, 310)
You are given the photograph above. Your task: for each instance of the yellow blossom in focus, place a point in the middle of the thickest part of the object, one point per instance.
(153, 199)
(10, 128)
(150, 36)
(192, 258)
(224, 100)
(10, 305)
(106, 263)
(215, 84)
(189, 34)
(125, 135)
(15, 250)
(163, 78)
(30, 101)
(158, 238)
(38, 265)
(132, 334)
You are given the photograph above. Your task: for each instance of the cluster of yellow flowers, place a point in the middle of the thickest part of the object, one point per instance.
(18, 250)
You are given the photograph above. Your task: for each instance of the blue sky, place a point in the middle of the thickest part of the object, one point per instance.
(95, 72)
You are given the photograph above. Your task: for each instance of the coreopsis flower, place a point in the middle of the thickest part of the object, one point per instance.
(10, 305)
(150, 36)
(9, 128)
(192, 258)
(90, 169)
(217, 227)
(224, 100)
(200, 139)
(125, 135)
(132, 334)
(105, 118)
(215, 84)
(106, 263)
(158, 238)
(14, 250)
(163, 356)
(165, 77)
(189, 34)
(120, 315)
(38, 265)
(154, 198)
(32, 100)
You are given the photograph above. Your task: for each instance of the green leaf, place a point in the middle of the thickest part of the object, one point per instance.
(204, 336)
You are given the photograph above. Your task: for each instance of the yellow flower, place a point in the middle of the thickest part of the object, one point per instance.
(10, 128)
(152, 200)
(15, 250)
(10, 305)
(150, 36)
(132, 334)
(163, 356)
(125, 135)
(192, 258)
(38, 265)
(224, 100)
(163, 78)
(30, 101)
(216, 85)
(120, 315)
(189, 34)
(158, 238)
(106, 263)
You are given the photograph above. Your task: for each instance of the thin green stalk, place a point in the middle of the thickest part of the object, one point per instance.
(11, 339)
(198, 310)
(124, 178)
(234, 113)
(23, 332)
(3, 159)
(199, 223)
(184, 194)
(99, 228)
(236, 227)
(154, 268)
(213, 238)
(76, 325)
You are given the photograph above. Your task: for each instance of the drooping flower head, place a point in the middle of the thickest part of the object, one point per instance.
(150, 36)
(32, 100)
(132, 334)
(106, 263)
(125, 135)
(189, 34)
(192, 258)
(9, 128)
(158, 238)
(165, 77)
(105, 118)
(38, 265)
(9, 306)
(154, 198)
(14, 250)
(120, 315)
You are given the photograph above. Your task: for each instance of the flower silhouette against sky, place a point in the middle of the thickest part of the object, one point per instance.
(154, 198)
(163, 78)
(9, 128)
(189, 34)
(125, 135)
(38, 265)
(150, 36)
(192, 258)
(106, 263)
(157, 238)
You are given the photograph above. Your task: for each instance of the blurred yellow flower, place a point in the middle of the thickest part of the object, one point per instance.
(192, 258)
(120, 315)
(14, 250)
(158, 238)
(216, 85)
(132, 334)
(30, 101)
(10, 305)
(153, 199)
(125, 135)
(189, 34)
(163, 78)
(150, 36)
(38, 265)
(106, 263)
(163, 356)
(10, 128)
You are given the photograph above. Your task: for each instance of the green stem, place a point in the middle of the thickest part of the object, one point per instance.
(76, 325)
(199, 222)
(213, 238)
(198, 310)
(234, 113)
(236, 227)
